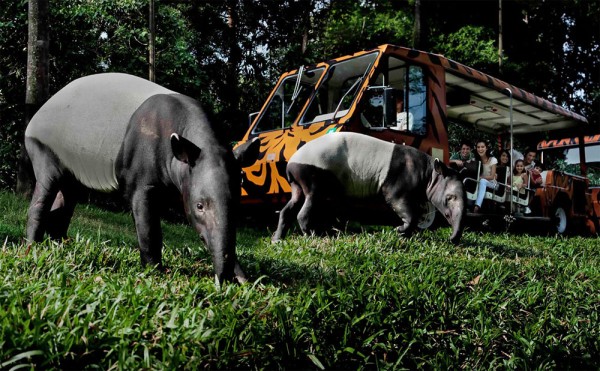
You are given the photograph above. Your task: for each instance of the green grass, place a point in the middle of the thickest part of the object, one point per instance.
(355, 301)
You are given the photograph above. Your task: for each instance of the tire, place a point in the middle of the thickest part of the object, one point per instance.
(561, 220)
(427, 216)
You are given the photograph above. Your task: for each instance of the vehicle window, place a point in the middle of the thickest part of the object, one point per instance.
(409, 93)
(287, 102)
(417, 98)
(338, 91)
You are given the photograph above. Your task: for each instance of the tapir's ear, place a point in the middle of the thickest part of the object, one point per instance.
(184, 150)
(440, 167)
(247, 153)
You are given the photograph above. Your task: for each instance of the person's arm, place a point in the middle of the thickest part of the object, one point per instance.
(524, 183)
(455, 159)
(536, 178)
(492, 175)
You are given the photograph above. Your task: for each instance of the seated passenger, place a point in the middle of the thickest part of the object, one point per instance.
(459, 159)
(502, 169)
(519, 182)
(537, 180)
(514, 154)
(529, 159)
(504, 159)
(487, 178)
(404, 120)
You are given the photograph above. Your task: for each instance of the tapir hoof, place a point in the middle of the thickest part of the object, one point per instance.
(238, 274)
(405, 231)
(240, 279)
(455, 240)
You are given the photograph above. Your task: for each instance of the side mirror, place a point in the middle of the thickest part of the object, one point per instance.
(251, 118)
(389, 106)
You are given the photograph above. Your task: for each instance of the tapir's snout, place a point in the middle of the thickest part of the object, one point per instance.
(212, 209)
(456, 236)
(221, 243)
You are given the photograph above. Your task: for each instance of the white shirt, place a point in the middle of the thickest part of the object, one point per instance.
(402, 122)
(487, 168)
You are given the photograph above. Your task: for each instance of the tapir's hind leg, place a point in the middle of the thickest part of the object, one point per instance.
(289, 212)
(39, 210)
(316, 215)
(48, 175)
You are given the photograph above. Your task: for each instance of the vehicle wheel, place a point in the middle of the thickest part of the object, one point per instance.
(560, 220)
(427, 216)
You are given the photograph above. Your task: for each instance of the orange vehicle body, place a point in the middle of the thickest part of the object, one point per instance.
(355, 93)
(572, 191)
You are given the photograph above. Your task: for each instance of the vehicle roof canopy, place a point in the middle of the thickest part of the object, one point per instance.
(590, 140)
(484, 101)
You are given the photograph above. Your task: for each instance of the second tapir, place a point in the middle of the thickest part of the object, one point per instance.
(117, 132)
(351, 165)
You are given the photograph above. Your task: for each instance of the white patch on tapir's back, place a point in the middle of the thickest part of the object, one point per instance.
(85, 123)
(361, 163)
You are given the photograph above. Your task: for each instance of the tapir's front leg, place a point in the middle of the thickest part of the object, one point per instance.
(403, 208)
(146, 214)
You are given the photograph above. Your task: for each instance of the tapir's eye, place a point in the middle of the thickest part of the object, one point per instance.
(200, 207)
(450, 198)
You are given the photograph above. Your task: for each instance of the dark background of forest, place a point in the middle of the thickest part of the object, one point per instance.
(229, 54)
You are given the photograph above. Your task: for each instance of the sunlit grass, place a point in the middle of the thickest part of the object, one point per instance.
(356, 300)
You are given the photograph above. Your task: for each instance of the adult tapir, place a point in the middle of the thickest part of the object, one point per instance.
(351, 165)
(117, 132)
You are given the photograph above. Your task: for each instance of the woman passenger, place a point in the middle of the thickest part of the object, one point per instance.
(504, 158)
(488, 174)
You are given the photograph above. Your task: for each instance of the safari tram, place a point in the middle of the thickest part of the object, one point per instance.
(409, 97)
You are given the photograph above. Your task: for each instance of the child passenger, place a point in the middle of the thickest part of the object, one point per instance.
(538, 176)
(519, 177)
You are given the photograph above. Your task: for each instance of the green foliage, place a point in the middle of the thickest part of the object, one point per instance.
(370, 23)
(228, 54)
(10, 136)
(105, 36)
(458, 133)
(470, 45)
(13, 63)
(13, 59)
(355, 301)
(593, 173)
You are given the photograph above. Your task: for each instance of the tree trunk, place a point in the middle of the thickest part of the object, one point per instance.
(151, 39)
(500, 38)
(233, 62)
(417, 29)
(37, 83)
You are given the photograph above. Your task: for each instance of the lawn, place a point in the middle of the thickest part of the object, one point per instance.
(357, 300)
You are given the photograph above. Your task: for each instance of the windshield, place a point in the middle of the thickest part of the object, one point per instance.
(287, 102)
(337, 93)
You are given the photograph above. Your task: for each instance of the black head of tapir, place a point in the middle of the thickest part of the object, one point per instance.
(445, 191)
(210, 189)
